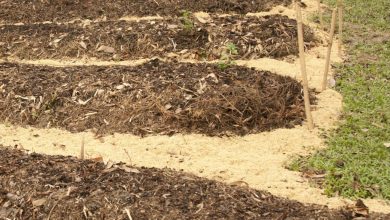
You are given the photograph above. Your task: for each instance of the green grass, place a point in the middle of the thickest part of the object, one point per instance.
(356, 162)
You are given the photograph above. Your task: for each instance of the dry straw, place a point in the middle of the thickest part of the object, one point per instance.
(303, 68)
(330, 44)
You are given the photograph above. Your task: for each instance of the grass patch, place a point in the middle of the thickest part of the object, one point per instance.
(357, 162)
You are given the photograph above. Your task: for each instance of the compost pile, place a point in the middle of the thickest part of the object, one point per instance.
(253, 37)
(34, 186)
(65, 10)
(156, 97)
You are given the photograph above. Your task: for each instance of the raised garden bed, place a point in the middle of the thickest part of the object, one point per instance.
(14, 11)
(34, 186)
(156, 97)
(252, 37)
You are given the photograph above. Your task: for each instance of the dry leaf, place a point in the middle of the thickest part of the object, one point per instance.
(99, 92)
(361, 209)
(110, 170)
(57, 40)
(38, 202)
(168, 106)
(120, 87)
(203, 17)
(213, 76)
(178, 110)
(98, 159)
(109, 164)
(83, 45)
(128, 169)
(201, 20)
(106, 49)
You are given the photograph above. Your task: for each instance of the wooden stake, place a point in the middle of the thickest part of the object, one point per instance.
(320, 14)
(330, 43)
(82, 149)
(341, 18)
(303, 69)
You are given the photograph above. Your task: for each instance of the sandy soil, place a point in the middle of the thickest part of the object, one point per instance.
(254, 160)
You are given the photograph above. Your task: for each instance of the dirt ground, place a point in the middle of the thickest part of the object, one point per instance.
(34, 186)
(253, 37)
(15, 11)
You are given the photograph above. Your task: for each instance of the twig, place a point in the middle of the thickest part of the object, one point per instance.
(330, 44)
(51, 210)
(128, 156)
(128, 214)
(303, 68)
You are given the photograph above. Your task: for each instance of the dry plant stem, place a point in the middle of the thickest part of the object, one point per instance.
(320, 14)
(303, 68)
(330, 43)
(341, 12)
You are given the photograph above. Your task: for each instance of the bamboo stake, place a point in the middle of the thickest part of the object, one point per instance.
(82, 149)
(341, 18)
(303, 68)
(320, 14)
(330, 43)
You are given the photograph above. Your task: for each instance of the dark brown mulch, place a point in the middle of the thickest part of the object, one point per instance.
(13, 11)
(34, 186)
(156, 97)
(255, 37)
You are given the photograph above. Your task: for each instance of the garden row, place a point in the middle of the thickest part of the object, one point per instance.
(231, 37)
(155, 97)
(54, 187)
(15, 11)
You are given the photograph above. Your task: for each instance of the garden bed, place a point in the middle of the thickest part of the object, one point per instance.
(34, 186)
(14, 11)
(251, 37)
(155, 97)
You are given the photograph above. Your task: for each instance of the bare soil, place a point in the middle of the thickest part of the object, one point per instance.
(34, 186)
(13, 11)
(156, 97)
(254, 37)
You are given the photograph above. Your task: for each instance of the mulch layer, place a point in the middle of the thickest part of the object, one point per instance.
(156, 97)
(34, 186)
(254, 37)
(14, 11)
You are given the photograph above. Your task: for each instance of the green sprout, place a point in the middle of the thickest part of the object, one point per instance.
(187, 21)
(226, 59)
(231, 48)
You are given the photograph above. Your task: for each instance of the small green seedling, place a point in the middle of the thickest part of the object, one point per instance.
(232, 49)
(187, 20)
(226, 59)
